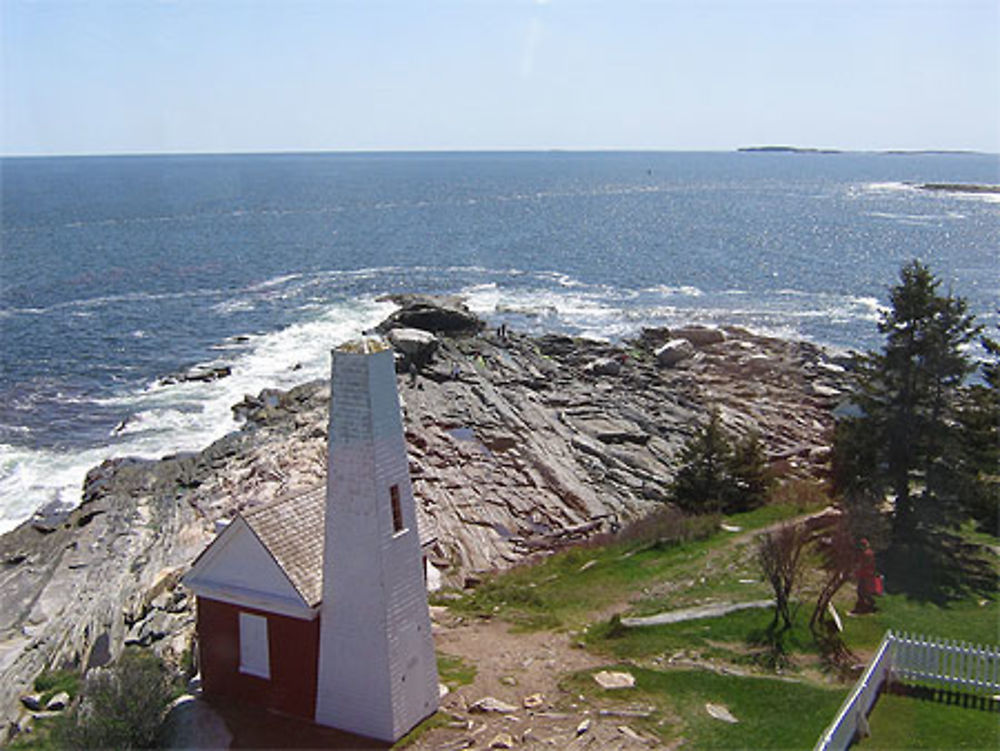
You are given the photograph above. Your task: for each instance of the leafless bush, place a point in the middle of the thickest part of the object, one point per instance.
(780, 556)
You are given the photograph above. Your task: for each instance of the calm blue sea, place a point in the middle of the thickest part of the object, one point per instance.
(116, 272)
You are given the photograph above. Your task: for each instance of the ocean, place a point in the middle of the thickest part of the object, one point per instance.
(119, 272)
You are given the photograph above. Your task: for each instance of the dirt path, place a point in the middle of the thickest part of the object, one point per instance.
(522, 670)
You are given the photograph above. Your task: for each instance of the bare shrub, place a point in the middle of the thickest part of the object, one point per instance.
(779, 554)
(668, 525)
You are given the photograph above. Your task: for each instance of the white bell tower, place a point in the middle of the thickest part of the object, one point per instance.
(377, 668)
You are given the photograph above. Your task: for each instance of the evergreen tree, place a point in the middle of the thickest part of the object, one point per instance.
(717, 476)
(980, 461)
(701, 482)
(908, 441)
(750, 477)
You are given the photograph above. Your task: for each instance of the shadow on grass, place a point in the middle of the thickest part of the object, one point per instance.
(944, 696)
(939, 567)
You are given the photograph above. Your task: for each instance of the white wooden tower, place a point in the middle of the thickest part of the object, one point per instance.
(377, 668)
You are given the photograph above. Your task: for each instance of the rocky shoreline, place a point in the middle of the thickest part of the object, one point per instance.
(517, 444)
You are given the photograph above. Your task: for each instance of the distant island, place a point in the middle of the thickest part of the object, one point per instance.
(960, 187)
(788, 150)
(888, 152)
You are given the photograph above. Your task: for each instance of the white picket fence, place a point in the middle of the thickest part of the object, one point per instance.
(964, 667)
(912, 659)
(853, 714)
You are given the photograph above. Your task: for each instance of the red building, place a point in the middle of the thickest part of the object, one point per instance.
(259, 586)
(315, 605)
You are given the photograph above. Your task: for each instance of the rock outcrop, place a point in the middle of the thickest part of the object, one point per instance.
(437, 314)
(517, 444)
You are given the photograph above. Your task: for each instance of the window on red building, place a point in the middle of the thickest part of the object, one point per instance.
(254, 657)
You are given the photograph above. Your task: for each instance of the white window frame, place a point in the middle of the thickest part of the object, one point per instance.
(255, 653)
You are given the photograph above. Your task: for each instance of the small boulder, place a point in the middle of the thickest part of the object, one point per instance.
(502, 740)
(699, 336)
(192, 723)
(57, 703)
(492, 704)
(674, 351)
(824, 391)
(604, 366)
(416, 344)
(198, 374)
(720, 712)
(534, 701)
(32, 702)
(610, 679)
(154, 627)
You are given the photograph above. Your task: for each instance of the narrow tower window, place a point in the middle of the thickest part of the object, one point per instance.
(397, 509)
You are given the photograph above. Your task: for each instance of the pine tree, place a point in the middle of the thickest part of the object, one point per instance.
(701, 482)
(908, 441)
(717, 475)
(980, 460)
(750, 477)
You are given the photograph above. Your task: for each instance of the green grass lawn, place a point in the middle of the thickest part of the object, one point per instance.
(564, 589)
(567, 590)
(907, 722)
(731, 637)
(974, 618)
(771, 713)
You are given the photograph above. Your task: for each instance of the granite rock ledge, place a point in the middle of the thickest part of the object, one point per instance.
(516, 445)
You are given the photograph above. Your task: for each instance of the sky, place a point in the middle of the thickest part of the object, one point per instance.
(97, 77)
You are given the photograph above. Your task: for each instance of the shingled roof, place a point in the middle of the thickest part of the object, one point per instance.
(291, 529)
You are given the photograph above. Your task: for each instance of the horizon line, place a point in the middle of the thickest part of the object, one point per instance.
(765, 148)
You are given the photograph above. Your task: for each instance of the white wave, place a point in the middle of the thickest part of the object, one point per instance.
(482, 288)
(32, 478)
(83, 307)
(164, 419)
(237, 305)
(904, 187)
(888, 187)
(685, 290)
(915, 218)
(275, 282)
(574, 308)
(976, 197)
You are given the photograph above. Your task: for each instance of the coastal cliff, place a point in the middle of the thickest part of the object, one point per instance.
(517, 444)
